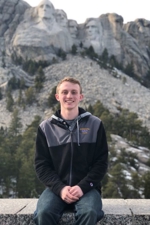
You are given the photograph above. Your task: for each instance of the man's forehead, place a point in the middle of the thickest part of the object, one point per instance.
(69, 85)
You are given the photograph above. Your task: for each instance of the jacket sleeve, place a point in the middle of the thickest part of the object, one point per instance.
(99, 165)
(43, 165)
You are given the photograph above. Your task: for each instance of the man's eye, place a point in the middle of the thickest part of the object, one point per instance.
(65, 92)
(74, 92)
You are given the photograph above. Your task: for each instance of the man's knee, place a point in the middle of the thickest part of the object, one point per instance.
(45, 216)
(88, 212)
(42, 213)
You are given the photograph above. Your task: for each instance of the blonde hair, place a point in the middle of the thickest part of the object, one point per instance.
(71, 80)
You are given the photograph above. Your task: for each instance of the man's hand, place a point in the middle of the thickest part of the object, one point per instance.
(67, 196)
(76, 191)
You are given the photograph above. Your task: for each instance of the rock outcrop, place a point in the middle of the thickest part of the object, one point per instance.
(114, 92)
(39, 32)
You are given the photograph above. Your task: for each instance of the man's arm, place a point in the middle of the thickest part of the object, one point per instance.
(44, 165)
(100, 163)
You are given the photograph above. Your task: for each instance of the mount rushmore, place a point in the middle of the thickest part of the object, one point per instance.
(38, 32)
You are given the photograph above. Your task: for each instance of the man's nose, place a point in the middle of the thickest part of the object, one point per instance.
(69, 95)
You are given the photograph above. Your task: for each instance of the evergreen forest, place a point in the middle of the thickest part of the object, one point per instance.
(17, 146)
(18, 178)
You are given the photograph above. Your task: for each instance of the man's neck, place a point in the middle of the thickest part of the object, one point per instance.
(69, 114)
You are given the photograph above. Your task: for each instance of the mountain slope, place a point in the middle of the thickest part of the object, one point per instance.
(114, 89)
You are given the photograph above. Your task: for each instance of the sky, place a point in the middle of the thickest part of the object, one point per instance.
(80, 10)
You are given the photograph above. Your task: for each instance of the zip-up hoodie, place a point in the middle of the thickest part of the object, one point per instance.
(71, 155)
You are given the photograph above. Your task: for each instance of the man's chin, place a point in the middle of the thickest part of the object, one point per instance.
(69, 108)
(69, 105)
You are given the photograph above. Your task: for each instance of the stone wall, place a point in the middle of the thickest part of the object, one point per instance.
(117, 212)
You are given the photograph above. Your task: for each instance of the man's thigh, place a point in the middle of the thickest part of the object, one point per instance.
(48, 201)
(90, 201)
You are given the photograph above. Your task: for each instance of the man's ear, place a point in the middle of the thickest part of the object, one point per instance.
(81, 97)
(57, 97)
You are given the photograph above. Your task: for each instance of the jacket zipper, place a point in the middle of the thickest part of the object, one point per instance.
(70, 176)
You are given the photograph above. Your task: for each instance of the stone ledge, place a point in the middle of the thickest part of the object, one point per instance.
(117, 212)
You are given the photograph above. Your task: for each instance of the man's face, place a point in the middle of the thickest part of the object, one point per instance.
(69, 95)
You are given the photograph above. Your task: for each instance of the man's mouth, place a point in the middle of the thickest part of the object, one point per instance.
(69, 101)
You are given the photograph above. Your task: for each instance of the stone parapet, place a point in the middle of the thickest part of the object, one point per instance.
(117, 212)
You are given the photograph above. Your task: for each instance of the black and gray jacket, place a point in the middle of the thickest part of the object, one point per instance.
(71, 155)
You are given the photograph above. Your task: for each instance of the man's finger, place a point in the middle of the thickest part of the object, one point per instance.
(72, 197)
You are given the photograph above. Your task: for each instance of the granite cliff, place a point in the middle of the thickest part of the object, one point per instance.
(38, 33)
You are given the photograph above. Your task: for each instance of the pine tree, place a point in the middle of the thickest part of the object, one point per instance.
(9, 101)
(39, 79)
(74, 49)
(30, 96)
(81, 45)
(129, 69)
(51, 99)
(15, 125)
(146, 180)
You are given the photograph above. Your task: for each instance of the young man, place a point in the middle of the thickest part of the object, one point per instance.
(70, 160)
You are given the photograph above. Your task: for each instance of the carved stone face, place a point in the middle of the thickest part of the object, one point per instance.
(61, 18)
(45, 9)
(73, 28)
(92, 30)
